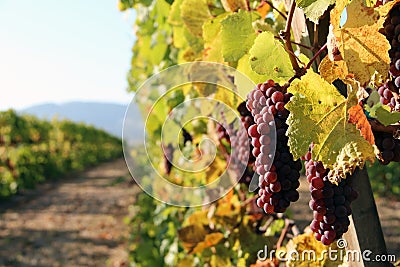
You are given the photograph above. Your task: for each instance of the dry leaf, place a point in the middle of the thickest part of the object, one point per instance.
(357, 117)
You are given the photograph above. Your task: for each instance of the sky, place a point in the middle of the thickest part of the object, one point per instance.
(60, 51)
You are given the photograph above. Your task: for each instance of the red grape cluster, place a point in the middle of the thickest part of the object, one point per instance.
(279, 173)
(389, 147)
(241, 142)
(392, 33)
(223, 134)
(330, 203)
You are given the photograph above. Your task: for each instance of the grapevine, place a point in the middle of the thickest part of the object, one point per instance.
(309, 90)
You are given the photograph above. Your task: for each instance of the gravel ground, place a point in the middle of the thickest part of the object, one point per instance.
(75, 222)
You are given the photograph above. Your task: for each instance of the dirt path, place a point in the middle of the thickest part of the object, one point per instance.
(78, 222)
(388, 210)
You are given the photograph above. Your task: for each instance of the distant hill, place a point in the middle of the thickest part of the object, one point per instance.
(106, 116)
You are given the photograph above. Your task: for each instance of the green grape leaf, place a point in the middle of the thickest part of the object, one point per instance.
(314, 9)
(174, 17)
(319, 115)
(194, 13)
(237, 35)
(268, 56)
(383, 114)
(212, 39)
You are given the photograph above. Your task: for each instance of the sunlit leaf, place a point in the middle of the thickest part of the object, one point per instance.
(363, 47)
(194, 13)
(237, 35)
(314, 9)
(268, 56)
(383, 114)
(319, 110)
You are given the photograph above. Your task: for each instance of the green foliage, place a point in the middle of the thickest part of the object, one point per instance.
(314, 9)
(33, 150)
(234, 25)
(268, 57)
(244, 35)
(383, 114)
(385, 180)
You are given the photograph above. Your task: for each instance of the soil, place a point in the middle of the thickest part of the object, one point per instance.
(79, 221)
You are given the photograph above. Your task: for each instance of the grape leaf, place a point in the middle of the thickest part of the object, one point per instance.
(362, 46)
(234, 5)
(332, 70)
(314, 9)
(195, 238)
(307, 242)
(383, 114)
(268, 56)
(319, 115)
(237, 35)
(212, 39)
(357, 117)
(194, 13)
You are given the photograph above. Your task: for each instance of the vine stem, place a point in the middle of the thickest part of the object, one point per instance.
(316, 55)
(288, 44)
(284, 232)
(296, 43)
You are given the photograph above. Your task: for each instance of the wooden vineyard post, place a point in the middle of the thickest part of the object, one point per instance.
(365, 232)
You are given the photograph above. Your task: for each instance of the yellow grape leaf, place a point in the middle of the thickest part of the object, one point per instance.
(198, 217)
(215, 170)
(362, 46)
(305, 243)
(357, 117)
(195, 238)
(228, 209)
(192, 235)
(319, 115)
(332, 70)
(194, 13)
(234, 5)
(210, 240)
(212, 39)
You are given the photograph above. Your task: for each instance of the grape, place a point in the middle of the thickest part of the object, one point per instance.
(392, 32)
(279, 172)
(330, 203)
(397, 64)
(241, 142)
(389, 147)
